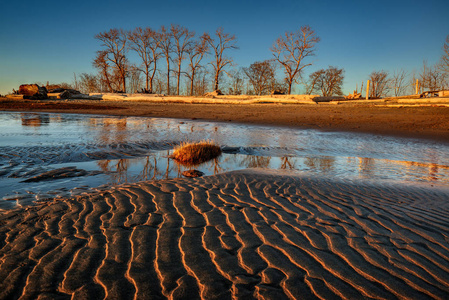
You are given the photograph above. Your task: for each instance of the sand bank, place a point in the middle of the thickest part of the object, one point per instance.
(242, 234)
(419, 120)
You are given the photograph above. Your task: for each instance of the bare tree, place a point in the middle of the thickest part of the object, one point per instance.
(399, 82)
(196, 52)
(222, 42)
(102, 66)
(88, 83)
(114, 41)
(158, 85)
(201, 81)
(183, 39)
(155, 51)
(432, 78)
(379, 84)
(261, 75)
(312, 83)
(291, 49)
(327, 82)
(166, 45)
(145, 42)
(135, 81)
(236, 82)
(444, 61)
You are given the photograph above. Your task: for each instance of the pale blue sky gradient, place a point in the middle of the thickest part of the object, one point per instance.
(50, 40)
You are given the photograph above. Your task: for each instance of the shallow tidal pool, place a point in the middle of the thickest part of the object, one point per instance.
(43, 155)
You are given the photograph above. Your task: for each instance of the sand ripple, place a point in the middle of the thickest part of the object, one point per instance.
(78, 152)
(236, 235)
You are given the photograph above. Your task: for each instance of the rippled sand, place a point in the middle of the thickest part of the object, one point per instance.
(242, 234)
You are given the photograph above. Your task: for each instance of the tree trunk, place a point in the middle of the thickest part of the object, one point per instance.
(191, 82)
(216, 81)
(178, 79)
(123, 80)
(168, 76)
(148, 79)
(108, 82)
(152, 77)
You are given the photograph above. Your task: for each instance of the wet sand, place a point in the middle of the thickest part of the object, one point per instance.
(246, 234)
(430, 121)
(240, 235)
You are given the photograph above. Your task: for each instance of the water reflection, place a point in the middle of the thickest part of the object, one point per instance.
(131, 149)
(366, 166)
(288, 163)
(254, 161)
(211, 167)
(160, 166)
(322, 164)
(34, 120)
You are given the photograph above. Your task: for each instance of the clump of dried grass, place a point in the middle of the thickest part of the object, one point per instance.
(195, 153)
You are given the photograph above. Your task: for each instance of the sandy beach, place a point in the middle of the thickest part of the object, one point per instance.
(240, 235)
(249, 234)
(237, 150)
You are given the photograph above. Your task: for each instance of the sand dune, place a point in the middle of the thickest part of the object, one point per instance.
(239, 235)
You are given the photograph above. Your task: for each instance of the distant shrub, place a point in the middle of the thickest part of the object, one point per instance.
(195, 153)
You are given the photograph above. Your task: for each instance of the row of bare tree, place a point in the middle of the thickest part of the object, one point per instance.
(183, 53)
(174, 45)
(328, 82)
(401, 82)
(177, 53)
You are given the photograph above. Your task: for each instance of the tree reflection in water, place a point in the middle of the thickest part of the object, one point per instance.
(147, 167)
(324, 164)
(366, 166)
(150, 169)
(286, 162)
(34, 120)
(158, 165)
(167, 171)
(121, 174)
(217, 168)
(212, 165)
(252, 161)
(134, 149)
(104, 165)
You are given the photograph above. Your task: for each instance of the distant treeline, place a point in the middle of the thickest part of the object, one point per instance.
(176, 61)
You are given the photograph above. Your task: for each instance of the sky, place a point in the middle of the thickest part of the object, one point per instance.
(51, 40)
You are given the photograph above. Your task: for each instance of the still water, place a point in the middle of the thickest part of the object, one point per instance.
(44, 155)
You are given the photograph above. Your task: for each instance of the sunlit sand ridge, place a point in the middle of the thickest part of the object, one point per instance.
(241, 234)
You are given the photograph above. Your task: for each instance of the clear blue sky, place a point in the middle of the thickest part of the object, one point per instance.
(50, 40)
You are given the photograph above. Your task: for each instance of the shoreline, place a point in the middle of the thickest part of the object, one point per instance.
(411, 121)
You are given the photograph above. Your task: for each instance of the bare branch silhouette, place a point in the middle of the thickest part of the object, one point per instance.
(196, 52)
(219, 45)
(327, 82)
(291, 49)
(379, 84)
(398, 82)
(146, 43)
(183, 39)
(167, 48)
(261, 75)
(114, 42)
